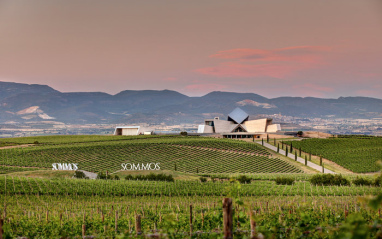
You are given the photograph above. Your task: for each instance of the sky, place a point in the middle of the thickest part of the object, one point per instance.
(273, 48)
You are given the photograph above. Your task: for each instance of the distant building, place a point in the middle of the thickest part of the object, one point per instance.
(238, 125)
(126, 130)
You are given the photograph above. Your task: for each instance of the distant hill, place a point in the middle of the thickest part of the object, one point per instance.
(8, 89)
(23, 102)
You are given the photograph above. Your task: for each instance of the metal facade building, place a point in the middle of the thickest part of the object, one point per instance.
(238, 125)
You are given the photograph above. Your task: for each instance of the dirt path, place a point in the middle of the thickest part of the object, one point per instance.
(17, 146)
(90, 175)
(301, 160)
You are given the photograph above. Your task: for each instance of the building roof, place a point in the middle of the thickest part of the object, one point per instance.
(223, 126)
(235, 126)
(238, 116)
(127, 127)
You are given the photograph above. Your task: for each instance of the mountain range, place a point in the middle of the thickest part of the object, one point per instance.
(24, 103)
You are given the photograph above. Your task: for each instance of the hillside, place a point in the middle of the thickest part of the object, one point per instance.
(166, 106)
(115, 153)
(358, 154)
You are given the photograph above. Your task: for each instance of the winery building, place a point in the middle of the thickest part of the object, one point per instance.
(126, 130)
(238, 125)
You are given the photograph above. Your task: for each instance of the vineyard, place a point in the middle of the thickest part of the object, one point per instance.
(34, 186)
(37, 202)
(103, 208)
(107, 153)
(357, 153)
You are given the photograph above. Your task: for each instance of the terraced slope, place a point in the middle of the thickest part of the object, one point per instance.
(356, 153)
(184, 154)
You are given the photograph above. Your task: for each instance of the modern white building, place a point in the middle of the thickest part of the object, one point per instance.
(238, 125)
(127, 130)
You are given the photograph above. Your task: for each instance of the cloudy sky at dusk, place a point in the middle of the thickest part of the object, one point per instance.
(272, 48)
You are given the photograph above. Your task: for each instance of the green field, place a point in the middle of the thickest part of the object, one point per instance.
(33, 186)
(37, 202)
(184, 154)
(356, 153)
(54, 208)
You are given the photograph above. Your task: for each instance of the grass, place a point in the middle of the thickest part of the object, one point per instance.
(45, 174)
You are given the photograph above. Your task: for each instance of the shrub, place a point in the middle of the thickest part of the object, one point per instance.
(103, 175)
(36, 142)
(378, 181)
(284, 181)
(203, 179)
(79, 174)
(362, 181)
(244, 179)
(151, 177)
(329, 179)
(299, 133)
(184, 133)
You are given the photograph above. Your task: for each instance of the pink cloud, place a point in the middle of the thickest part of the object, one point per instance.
(233, 69)
(277, 63)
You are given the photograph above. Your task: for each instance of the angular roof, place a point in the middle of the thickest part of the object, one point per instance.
(235, 126)
(238, 116)
(223, 126)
